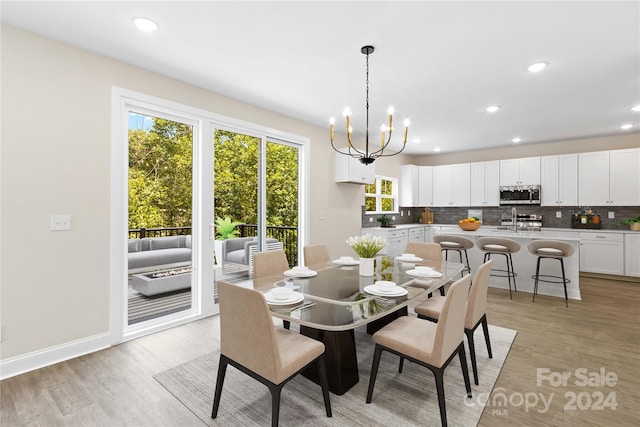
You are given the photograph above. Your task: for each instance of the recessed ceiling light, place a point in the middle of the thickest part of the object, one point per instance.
(516, 139)
(146, 25)
(538, 66)
(636, 108)
(626, 126)
(437, 149)
(493, 108)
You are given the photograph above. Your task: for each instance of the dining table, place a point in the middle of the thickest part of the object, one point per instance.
(331, 299)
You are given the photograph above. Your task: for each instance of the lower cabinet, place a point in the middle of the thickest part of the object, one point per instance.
(632, 254)
(416, 234)
(396, 239)
(602, 253)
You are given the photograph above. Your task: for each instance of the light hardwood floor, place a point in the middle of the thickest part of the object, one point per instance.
(115, 387)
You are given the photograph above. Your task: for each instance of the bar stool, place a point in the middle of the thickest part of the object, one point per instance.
(550, 249)
(500, 246)
(458, 244)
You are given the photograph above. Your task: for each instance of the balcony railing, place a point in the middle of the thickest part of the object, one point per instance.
(287, 235)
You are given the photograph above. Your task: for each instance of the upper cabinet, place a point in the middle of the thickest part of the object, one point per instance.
(609, 178)
(425, 186)
(559, 180)
(485, 181)
(409, 186)
(451, 185)
(524, 171)
(416, 186)
(351, 170)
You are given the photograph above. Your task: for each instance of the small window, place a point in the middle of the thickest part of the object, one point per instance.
(382, 196)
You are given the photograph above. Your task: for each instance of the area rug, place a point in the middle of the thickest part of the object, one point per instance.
(407, 399)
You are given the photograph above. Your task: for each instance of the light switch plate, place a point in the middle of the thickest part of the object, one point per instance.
(393, 218)
(558, 214)
(612, 215)
(60, 222)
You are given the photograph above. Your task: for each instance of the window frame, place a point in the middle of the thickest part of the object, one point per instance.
(379, 196)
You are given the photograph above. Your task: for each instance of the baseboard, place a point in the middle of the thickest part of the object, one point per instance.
(39, 359)
(611, 277)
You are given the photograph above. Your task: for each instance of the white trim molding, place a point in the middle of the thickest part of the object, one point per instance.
(52, 355)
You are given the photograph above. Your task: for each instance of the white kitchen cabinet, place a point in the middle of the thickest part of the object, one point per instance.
(609, 178)
(451, 185)
(396, 239)
(632, 254)
(425, 186)
(602, 253)
(408, 186)
(485, 183)
(559, 180)
(350, 170)
(416, 234)
(525, 171)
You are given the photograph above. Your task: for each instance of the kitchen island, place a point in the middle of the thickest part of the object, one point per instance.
(524, 262)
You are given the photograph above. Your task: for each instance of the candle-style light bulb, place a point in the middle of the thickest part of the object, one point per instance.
(332, 122)
(406, 128)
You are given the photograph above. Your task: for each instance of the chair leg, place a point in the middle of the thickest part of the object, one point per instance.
(465, 369)
(374, 371)
(564, 283)
(508, 274)
(322, 372)
(485, 329)
(472, 353)
(438, 374)
(515, 286)
(535, 284)
(466, 256)
(286, 324)
(275, 405)
(442, 290)
(401, 365)
(222, 370)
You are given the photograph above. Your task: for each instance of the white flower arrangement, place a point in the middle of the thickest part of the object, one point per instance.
(366, 246)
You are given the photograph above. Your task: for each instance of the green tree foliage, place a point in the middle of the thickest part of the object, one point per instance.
(160, 169)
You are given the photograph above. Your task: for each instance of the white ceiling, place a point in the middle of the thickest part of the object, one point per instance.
(438, 63)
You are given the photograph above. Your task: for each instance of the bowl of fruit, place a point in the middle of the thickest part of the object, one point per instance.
(469, 224)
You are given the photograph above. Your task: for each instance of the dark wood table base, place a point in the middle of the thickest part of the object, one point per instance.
(340, 353)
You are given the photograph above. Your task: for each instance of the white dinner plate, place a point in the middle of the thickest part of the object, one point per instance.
(293, 298)
(350, 262)
(407, 259)
(373, 289)
(416, 273)
(308, 273)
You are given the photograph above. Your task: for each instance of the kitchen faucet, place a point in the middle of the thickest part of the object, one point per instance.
(514, 217)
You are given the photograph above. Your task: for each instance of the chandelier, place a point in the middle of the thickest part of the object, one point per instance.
(368, 156)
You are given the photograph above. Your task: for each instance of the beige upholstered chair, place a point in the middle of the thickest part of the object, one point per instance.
(316, 254)
(432, 345)
(500, 246)
(455, 243)
(249, 342)
(269, 262)
(476, 312)
(554, 249)
(424, 250)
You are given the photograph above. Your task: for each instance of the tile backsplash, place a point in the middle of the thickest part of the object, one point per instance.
(492, 216)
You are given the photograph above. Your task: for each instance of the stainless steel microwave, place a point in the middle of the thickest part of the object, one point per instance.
(520, 195)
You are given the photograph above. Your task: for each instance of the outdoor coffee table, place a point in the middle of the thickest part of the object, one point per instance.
(160, 282)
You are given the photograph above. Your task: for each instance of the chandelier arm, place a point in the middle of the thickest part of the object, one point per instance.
(384, 147)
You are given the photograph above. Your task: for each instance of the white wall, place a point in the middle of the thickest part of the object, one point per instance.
(56, 102)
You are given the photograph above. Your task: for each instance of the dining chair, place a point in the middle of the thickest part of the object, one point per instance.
(269, 262)
(425, 250)
(316, 254)
(475, 314)
(432, 345)
(250, 342)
